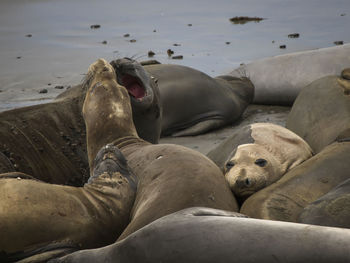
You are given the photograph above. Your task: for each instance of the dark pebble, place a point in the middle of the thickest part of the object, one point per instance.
(95, 26)
(151, 53)
(176, 45)
(18, 57)
(189, 24)
(126, 35)
(294, 35)
(338, 43)
(169, 52)
(283, 46)
(154, 30)
(104, 42)
(178, 57)
(132, 40)
(29, 35)
(228, 43)
(59, 87)
(43, 91)
(343, 15)
(49, 84)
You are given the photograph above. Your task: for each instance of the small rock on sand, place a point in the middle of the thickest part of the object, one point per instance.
(43, 91)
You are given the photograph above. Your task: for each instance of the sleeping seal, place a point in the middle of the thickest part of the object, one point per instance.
(278, 80)
(261, 154)
(194, 103)
(209, 235)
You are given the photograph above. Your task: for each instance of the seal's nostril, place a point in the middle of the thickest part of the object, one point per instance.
(247, 182)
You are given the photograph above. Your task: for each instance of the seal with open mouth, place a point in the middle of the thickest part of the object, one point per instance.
(144, 97)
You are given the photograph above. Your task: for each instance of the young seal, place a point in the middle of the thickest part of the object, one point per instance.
(194, 103)
(286, 199)
(209, 235)
(278, 80)
(261, 154)
(321, 112)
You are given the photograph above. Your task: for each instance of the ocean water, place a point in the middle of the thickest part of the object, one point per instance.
(46, 43)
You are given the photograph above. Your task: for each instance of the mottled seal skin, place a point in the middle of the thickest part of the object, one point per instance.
(321, 113)
(286, 199)
(263, 153)
(194, 103)
(210, 235)
(278, 80)
(51, 137)
(332, 209)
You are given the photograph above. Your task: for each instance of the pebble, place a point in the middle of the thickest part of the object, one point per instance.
(132, 40)
(338, 43)
(126, 35)
(104, 42)
(151, 53)
(294, 35)
(43, 91)
(178, 57)
(59, 87)
(283, 46)
(29, 35)
(170, 52)
(95, 26)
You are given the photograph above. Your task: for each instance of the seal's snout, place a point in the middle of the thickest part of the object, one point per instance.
(243, 182)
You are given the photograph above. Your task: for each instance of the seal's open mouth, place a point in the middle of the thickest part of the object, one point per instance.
(134, 86)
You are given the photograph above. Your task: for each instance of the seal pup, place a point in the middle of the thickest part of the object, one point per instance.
(278, 80)
(194, 103)
(210, 235)
(261, 154)
(285, 199)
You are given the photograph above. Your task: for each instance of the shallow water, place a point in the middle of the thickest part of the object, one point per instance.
(63, 45)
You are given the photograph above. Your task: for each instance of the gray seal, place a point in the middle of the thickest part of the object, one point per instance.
(194, 103)
(278, 80)
(210, 235)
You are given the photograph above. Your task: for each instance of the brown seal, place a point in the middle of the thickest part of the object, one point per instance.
(321, 112)
(286, 199)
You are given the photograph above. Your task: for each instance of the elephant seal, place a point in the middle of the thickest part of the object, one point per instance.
(262, 154)
(332, 209)
(210, 235)
(194, 103)
(286, 199)
(278, 80)
(321, 112)
(51, 137)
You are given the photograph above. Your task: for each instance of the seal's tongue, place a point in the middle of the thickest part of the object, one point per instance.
(133, 86)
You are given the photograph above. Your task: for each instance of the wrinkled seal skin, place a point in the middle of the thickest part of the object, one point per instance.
(286, 199)
(210, 235)
(332, 209)
(194, 103)
(321, 113)
(51, 137)
(273, 151)
(278, 80)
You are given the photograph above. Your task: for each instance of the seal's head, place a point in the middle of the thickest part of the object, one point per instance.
(144, 97)
(140, 85)
(250, 169)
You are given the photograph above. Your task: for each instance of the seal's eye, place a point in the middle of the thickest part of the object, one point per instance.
(229, 165)
(261, 162)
